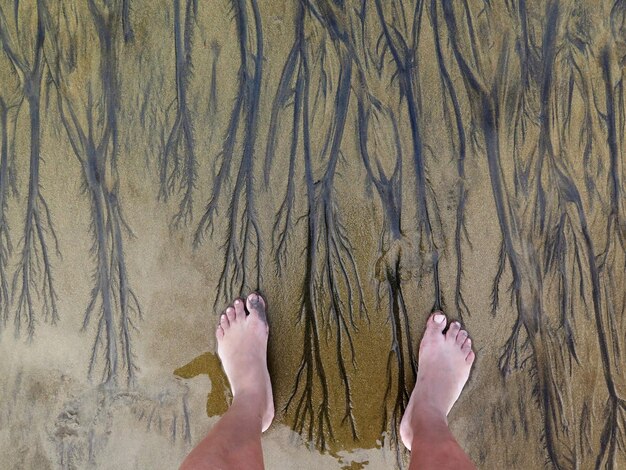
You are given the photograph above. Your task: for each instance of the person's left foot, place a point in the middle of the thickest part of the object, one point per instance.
(242, 348)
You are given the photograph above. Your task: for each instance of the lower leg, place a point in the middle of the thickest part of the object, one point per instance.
(235, 441)
(434, 446)
(444, 364)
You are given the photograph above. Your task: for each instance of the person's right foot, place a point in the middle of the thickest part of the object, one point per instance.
(242, 348)
(444, 365)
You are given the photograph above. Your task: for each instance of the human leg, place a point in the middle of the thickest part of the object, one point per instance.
(444, 365)
(235, 440)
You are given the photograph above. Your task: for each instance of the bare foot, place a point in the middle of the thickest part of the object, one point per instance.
(444, 365)
(242, 348)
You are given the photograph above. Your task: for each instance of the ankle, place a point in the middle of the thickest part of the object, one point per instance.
(251, 385)
(248, 406)
(426, 416)
(249, 396)
(429, 429)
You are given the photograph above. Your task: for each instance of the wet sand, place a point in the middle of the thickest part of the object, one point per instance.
(372, 166)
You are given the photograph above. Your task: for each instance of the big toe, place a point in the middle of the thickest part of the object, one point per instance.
(436, 324)
(256, 306)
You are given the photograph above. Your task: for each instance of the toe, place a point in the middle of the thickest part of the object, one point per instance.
(219, 332)
(224, 320)
(461, 337)
(230, 314)
(453, 331)
(470, 357)
(256, 306)
(240, 312)
(467, 346)
(436, 323)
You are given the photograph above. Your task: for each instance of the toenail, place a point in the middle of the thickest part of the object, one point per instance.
(230, 310)
(439, 318)
(237, 302)
(253, 298)
(457, 324)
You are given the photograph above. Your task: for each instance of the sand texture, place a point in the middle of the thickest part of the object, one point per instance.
(359, 162)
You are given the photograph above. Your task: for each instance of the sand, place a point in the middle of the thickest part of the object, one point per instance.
(373, 165)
